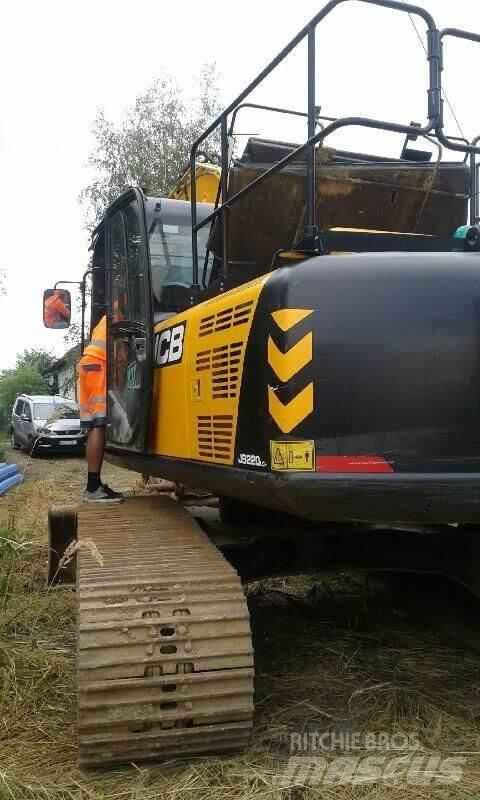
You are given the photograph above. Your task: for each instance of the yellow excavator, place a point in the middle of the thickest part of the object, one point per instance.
(207, 182)
(298, 337)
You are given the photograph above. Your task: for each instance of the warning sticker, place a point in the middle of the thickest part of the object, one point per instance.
(293, 455)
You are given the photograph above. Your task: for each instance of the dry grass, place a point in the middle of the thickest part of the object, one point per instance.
(330, 657)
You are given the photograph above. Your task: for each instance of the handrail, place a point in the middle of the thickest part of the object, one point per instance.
(459, 34)
(307, 32)
(275, 109)
(393, 4)
(474, 186)
(318, 117)
(469, 148)
(435, 124)
(343, 122)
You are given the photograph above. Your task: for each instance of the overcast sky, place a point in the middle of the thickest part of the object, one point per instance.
(60, 61)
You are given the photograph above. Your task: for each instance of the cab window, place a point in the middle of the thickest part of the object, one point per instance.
(135, 276)
(118, 265)
(18, 410)
(171, 260)
(125, 256)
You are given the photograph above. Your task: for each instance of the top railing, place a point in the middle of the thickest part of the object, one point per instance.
(435, 124)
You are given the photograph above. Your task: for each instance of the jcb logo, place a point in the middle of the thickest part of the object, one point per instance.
(169, 345)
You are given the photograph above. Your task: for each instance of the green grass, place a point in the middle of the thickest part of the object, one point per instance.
(325, 656)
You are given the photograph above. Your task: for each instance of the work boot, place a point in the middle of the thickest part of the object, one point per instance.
(102, 495)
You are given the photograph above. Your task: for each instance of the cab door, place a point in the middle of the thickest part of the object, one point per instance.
(129, 324)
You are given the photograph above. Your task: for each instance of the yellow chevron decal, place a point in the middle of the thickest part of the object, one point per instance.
(293, 413)
(286, 365)
(286, 318)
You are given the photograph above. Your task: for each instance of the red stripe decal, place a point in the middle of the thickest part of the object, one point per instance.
(352, 464)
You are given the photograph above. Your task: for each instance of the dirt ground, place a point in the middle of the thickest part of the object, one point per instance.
(368, 699)
(69, 472)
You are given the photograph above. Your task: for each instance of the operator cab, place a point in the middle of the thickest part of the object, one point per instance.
(141, 274)
(141, 270)
(163, 228)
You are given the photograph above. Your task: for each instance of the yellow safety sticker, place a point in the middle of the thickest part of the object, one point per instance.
(292, 455)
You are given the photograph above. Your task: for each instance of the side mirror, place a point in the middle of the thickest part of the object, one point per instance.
(57, 308)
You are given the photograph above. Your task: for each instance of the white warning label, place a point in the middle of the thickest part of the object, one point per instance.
(293, 456)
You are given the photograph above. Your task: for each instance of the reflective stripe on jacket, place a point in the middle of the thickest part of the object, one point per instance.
(98, 342)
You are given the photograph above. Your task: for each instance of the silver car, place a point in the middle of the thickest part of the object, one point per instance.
(42, 423)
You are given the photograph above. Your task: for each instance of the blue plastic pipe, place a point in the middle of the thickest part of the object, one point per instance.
(10, 476)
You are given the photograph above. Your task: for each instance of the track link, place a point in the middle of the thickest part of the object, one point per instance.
(165, 659)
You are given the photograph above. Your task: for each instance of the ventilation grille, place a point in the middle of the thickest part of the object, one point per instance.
(227, 318)
(224, 364)
(215, 435)
(242, 288)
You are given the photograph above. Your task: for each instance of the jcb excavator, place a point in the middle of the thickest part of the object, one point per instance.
(207, 181)
(306, 348)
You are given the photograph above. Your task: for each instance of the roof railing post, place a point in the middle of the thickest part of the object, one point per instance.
(474, 188)
(477, 194)
(193, 207)
(449, 142)
(311, 128)
(435, 60)
(224, 184)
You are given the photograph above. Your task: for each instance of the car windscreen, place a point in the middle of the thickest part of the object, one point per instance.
(55, 410)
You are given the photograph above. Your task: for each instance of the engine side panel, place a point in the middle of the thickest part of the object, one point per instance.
(199, 360)
(371, 363)
(357, 395)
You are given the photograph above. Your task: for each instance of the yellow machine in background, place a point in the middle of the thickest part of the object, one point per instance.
(207, 181)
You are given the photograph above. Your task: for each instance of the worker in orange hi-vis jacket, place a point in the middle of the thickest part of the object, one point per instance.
(93, 413)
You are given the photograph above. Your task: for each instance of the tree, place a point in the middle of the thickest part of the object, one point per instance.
(25, 379)
(40, 358)
(150, 146)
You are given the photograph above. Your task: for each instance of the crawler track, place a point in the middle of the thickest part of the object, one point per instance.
(165, 659)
